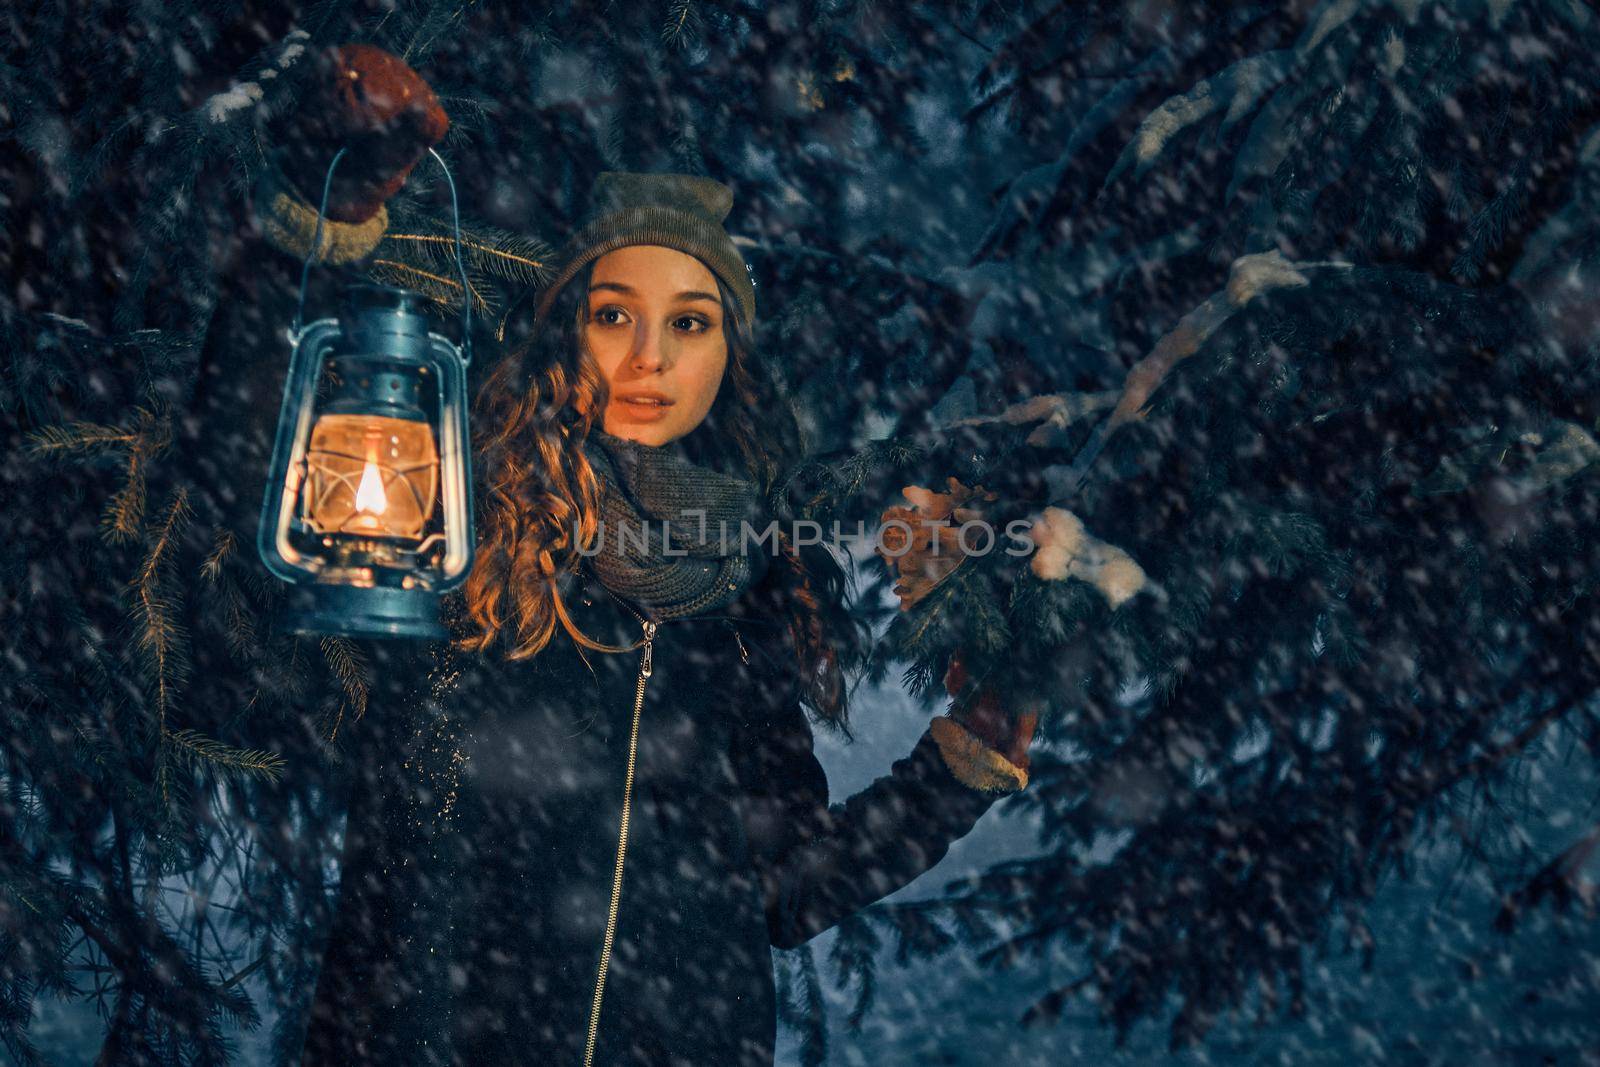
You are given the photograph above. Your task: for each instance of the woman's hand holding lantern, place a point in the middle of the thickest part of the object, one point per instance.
(370, 101)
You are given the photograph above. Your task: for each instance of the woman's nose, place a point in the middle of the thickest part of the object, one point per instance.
(650, 350)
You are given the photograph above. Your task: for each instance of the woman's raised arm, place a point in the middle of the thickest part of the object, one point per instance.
(818, 863)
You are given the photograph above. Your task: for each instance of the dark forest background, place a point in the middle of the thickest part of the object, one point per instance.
(1291, 302)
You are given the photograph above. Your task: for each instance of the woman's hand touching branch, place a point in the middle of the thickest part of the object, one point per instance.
(984, 744)
(1006, 733)
(922, 543)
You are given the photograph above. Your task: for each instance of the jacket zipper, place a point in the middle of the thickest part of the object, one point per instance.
(646, 665)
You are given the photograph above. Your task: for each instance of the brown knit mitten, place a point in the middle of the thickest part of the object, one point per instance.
(985, 745)
(370, 101)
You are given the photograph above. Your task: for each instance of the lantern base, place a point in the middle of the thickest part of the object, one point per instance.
(355, 611)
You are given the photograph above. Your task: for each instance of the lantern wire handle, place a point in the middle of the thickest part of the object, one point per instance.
(455, 218)
(466, 290)
(316, 243)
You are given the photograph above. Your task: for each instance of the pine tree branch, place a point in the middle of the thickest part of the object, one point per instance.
(442, 290)
(222, 549)
(198, 748)
(510, 256)
(1561, 879)
(158, 632)
(350, 667)
(76, 438)
(1486, 761)
(1249, 277)
(675, 28)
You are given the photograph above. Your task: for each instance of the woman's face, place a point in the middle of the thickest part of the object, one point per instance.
(654, 324)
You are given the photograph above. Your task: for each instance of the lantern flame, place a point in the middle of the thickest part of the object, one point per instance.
(390, 494)
(369, 494)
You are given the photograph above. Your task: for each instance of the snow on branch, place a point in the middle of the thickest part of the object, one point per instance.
(1251, 276)
(243, 96)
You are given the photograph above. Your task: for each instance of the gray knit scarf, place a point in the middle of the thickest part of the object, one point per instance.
(648, 491)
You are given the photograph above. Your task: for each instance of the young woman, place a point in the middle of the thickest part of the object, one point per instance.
(604, 810)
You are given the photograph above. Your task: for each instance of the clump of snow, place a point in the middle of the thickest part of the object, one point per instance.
(223, 104)
(1254, 274)
(1065, 549)
(220, 107)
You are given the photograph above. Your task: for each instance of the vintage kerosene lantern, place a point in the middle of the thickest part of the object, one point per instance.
(368, 508)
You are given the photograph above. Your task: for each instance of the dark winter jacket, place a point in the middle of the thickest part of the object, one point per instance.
(482, 850)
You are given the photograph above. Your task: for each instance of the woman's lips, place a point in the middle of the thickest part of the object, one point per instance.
(643, 409)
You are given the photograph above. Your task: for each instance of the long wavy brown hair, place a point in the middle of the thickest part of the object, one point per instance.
(539, 495)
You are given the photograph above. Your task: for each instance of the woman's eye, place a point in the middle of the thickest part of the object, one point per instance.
(612, 315)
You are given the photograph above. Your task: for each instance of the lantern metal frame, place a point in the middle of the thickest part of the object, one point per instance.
(372, 593)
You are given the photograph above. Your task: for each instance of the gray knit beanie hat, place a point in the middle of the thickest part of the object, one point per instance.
(682, 211)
